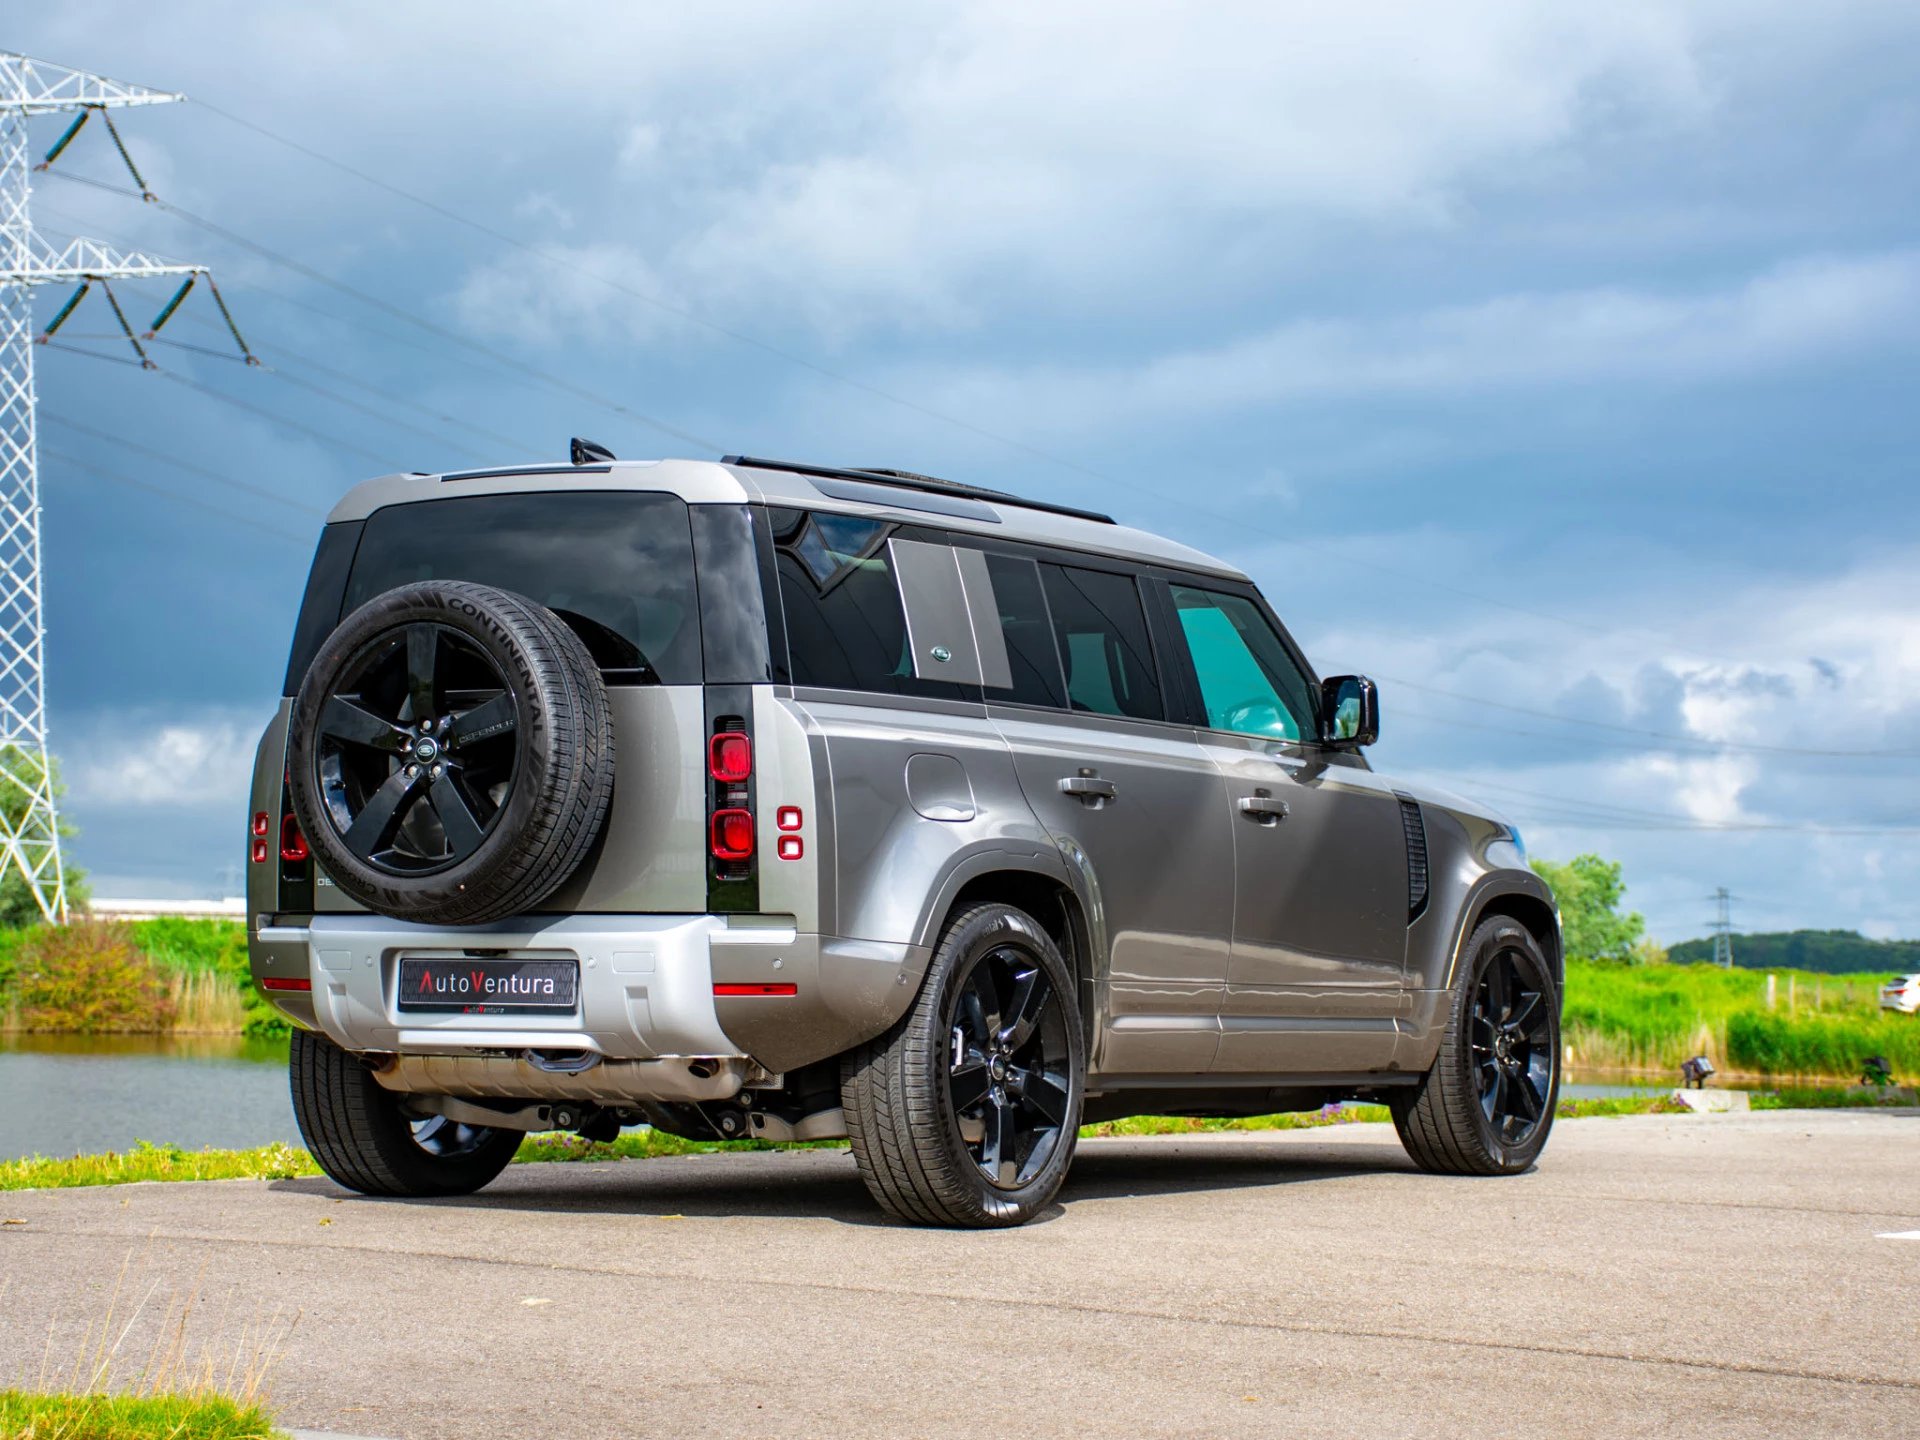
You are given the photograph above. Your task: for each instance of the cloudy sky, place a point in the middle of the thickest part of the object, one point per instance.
(1555, 365)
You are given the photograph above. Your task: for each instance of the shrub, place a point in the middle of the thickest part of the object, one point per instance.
(1774, 1044)
(89, 977)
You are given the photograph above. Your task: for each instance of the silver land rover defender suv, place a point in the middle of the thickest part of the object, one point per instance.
(756, 800)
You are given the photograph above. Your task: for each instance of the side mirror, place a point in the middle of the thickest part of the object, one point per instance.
(1349, 711)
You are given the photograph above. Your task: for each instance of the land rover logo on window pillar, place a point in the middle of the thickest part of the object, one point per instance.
(941, 653)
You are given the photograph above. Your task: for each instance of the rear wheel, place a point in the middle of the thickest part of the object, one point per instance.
(966, 1112)
(359, 1133)
(1486, 1107)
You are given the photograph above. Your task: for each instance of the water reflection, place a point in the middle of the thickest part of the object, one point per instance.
(78, 1094)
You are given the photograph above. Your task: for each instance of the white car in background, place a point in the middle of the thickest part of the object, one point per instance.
(1901, 993)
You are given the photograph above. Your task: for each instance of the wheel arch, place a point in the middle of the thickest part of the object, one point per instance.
(1044, 892)
(1521, 896)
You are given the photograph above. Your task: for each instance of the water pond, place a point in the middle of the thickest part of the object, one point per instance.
(77, 1095)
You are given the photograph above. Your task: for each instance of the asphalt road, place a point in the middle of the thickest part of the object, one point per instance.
(1716, 1276)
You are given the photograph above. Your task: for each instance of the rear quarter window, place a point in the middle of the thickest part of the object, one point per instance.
(616, 566)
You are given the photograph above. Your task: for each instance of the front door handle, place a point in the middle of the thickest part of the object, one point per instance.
(1089, 789)
(1264, 808)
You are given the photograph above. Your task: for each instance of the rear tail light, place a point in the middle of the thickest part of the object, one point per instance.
(730, 757)
(293, 845)
(262, 822)
(284, 982)
(732, 835)
(724, 988)
(730, 802)
(260, 852)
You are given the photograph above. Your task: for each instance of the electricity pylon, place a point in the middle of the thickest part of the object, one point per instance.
(1723, 929)
(29, 823)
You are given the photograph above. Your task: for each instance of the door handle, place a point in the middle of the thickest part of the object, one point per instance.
(1089, 789)
(1264, 808)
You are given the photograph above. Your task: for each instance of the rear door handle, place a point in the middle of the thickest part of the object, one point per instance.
(1089, 789)
(1264, 808)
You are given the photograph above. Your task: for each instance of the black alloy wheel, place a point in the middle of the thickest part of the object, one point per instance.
(418, 750)
(1008, 1078)
(967, 1111)
(1485, 1106)
(1512, 1044)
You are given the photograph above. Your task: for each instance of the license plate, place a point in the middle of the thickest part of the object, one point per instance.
(488, 986)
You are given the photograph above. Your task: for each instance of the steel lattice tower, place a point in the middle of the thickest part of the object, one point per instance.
(30, 836)
(1723, 929)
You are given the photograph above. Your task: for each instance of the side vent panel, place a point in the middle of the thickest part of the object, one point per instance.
(1415, 825)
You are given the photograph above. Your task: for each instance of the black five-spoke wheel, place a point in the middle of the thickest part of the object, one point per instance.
(1486, 1105)
(417, 749)
(1008, 1077)
(1512, 1044)
(966, 1112)
(450, 753)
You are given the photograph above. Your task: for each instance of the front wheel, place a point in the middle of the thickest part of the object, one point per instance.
(359, 1134)
(1486, 1106)
(966, 1112)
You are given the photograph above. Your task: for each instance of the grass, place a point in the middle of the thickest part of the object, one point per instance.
(26, 1416)
(1649, 1018)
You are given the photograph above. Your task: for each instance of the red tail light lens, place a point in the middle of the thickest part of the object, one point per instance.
(293, 845)
(724, 988)
(730, 757)
(260, 852)
(284, 982)
(262, 822)
(732, 834)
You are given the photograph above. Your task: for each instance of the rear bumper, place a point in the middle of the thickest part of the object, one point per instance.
(646, 987)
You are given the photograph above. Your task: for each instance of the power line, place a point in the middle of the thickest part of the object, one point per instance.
(273, 419)
(68, 423)
(319, 277)
(1691, 740)
(114, 476)
(1604, 815)
(1185, 505)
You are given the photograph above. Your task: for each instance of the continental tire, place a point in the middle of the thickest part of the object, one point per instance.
(450, 754)
(1486, 1107)
(357, 1132)
(966, 1112)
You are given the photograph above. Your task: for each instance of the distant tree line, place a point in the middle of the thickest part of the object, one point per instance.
(1825, 952)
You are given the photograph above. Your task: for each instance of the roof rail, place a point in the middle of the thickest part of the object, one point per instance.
(907, 480)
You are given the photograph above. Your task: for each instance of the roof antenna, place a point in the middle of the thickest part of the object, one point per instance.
(585, 452)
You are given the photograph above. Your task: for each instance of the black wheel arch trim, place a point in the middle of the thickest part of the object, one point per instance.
(1531, 905)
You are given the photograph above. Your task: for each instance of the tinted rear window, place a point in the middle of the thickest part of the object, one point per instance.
(846, 629)
(617, 567)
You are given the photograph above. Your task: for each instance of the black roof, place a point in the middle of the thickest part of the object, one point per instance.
(908, 480)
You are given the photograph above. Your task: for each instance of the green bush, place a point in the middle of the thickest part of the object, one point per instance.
(89, 978)
(1775, 1044)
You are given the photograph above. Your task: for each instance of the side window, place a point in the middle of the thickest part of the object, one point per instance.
(846, 629)
(1248, 680)
(1033, 657)
(1101, 631)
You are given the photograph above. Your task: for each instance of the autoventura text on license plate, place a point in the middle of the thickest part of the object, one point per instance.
(492, 987)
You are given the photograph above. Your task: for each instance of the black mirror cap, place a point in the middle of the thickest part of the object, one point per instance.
(1349, 711)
